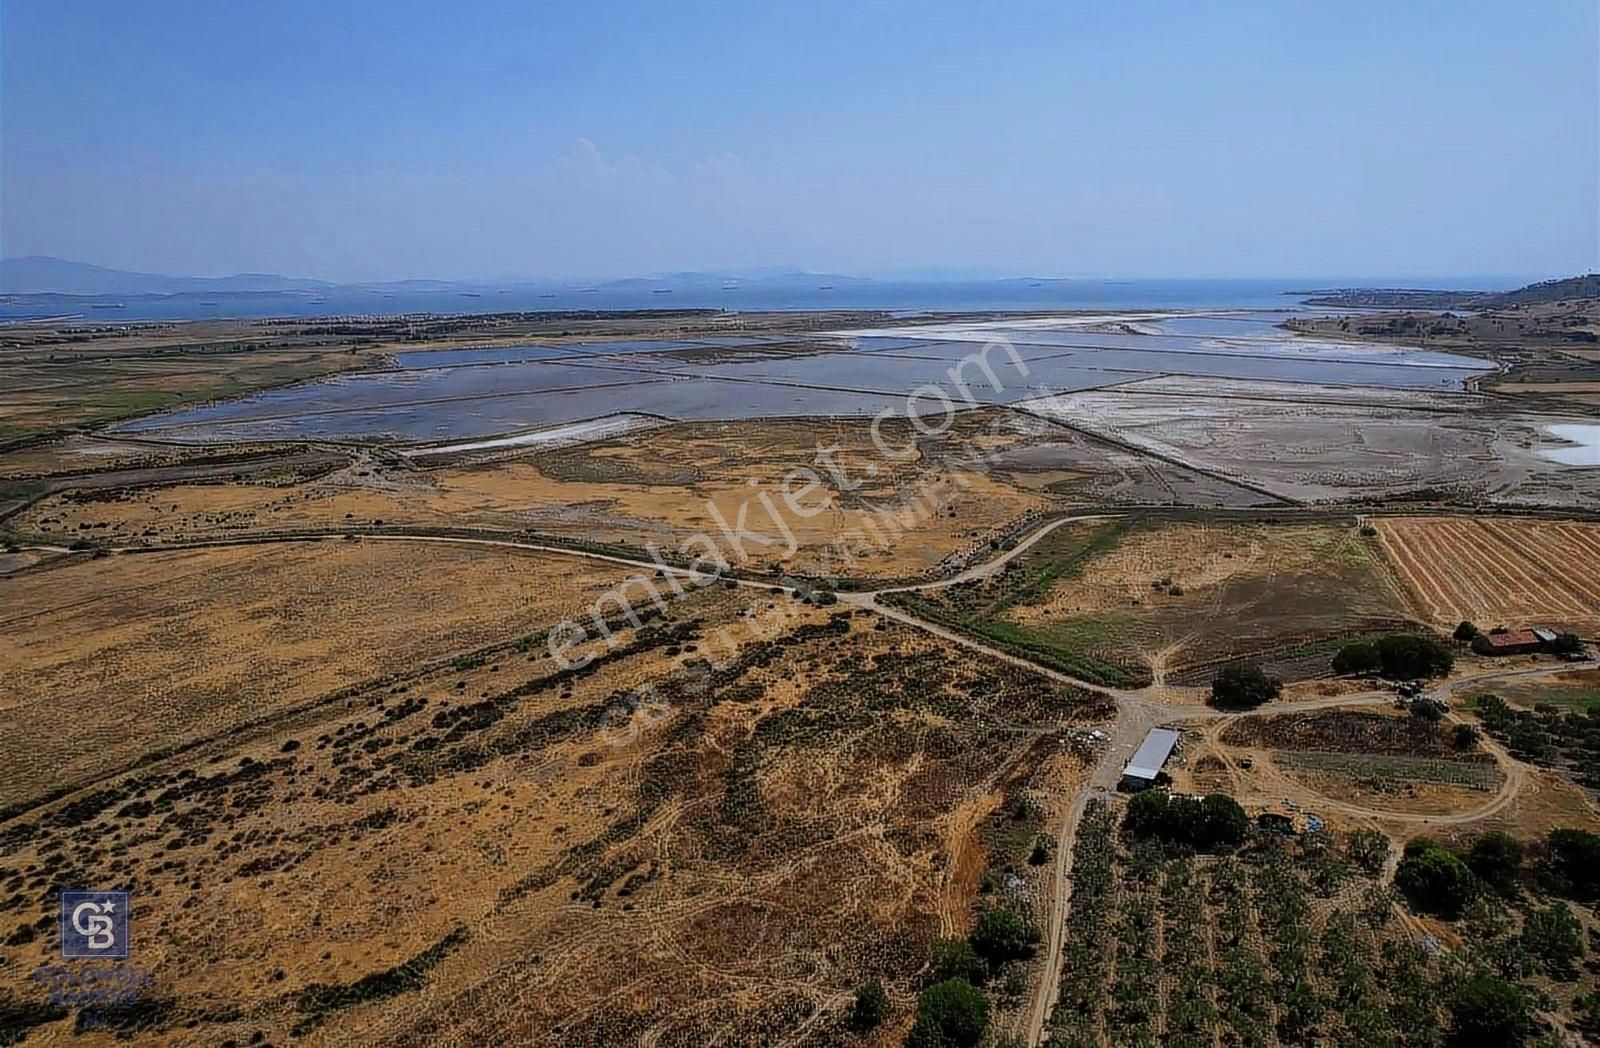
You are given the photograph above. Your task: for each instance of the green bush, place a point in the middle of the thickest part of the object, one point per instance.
(1466, 632)
(1572, 861)
(951, 1014)
(1430, 710)
(1554, 937)
(1405, 655)
(1433, 879)
(871, 1006)
(1368, 849)
(1487, 1010)
(1567, 644)
(1206, 824)
(956, 959)
(1497, 860)
(1357, 657)
(1001, 935)
(1243, 685)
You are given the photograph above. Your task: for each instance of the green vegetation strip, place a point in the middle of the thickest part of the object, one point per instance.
(1059, 564)
(1016, 641)
(1474, 775)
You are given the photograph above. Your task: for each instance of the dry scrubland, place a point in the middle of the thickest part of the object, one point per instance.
(111, 660)
(484, 847)
(1499, 571)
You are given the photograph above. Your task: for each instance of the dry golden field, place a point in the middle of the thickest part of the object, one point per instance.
(1499, 571)
(109, 660)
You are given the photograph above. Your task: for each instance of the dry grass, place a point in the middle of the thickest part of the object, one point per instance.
(108, 660)
(805, 810)
(1513, 572)
(1180, 594)
(661, 489)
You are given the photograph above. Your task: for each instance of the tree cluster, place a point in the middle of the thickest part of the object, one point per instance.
(1399, 656)
(1204, 824)
(1243, 685)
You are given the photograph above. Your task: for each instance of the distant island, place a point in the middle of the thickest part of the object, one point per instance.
(1563, 290)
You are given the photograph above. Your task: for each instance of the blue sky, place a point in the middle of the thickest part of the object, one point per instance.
(356, 140)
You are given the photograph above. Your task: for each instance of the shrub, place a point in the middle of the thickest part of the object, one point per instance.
(1041, 850)
(1489, 1010)
(1433, 879)
(1465, 736)
(1358, 657)
(1566, 644)
(871, 1006)
(956, 959)
(1243, 685)
(1001, 935)
(1497, 859)
(1572, 860)
(951, 1014)
(1554, 938)
(1431, 710)
(1405, 655)
(1368, 849)
(1466, 632)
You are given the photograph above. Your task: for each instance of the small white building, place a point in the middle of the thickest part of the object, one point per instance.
(1146, 764)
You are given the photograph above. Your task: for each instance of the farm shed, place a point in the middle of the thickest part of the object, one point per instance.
(1515, 642)
(1146, 763)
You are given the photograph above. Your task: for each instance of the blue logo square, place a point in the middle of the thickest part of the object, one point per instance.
(94, 924)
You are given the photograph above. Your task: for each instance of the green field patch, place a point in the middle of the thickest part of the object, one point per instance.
(1575, 698)
(1058, 654)
(1091, 649)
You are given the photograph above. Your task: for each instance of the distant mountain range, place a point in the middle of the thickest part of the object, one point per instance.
(43, 275)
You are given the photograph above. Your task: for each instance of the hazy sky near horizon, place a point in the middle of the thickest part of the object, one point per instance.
(382, 140)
